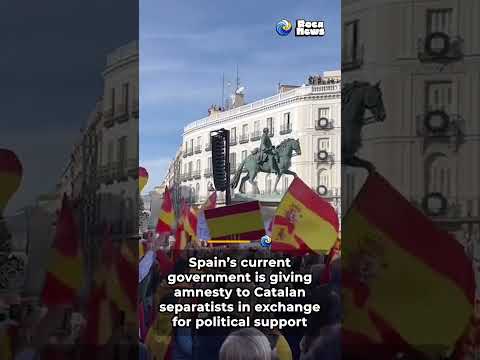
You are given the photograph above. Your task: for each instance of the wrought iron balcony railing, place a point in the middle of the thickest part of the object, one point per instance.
(198, 149)
(244, 138)
(285, 129)
(256, 135)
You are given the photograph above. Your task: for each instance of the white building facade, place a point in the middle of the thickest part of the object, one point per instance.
(310, 113)
(426, 55)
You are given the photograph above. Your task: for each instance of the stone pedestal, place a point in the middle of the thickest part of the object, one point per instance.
(269, 203)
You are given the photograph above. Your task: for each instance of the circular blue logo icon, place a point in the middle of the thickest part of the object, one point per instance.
(284, 27)
(265, 241)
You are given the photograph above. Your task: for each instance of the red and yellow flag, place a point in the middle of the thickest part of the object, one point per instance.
(142, 178)
(99, 318)
(241, 221)
(10, 176)
(211, 202)
(190, 221)
(407, 286)
(304, 222)
(64, 277)
(166, 218)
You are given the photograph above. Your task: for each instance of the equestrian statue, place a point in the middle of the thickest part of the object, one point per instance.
(267, 159)
(357, 97)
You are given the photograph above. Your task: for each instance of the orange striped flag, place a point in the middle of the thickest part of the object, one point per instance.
(401, 276)
(166, 218)
(241, 221)
(64, 277)
(304, 222)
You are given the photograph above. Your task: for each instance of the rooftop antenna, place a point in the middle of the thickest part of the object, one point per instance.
(222, 102)
(238, 80)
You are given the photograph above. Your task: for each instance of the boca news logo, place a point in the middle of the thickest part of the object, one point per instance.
(303, 28)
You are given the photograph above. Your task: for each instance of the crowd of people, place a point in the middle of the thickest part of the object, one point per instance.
(319, 340)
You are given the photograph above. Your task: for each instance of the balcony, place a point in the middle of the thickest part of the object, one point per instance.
(190, 175)
(196, 174)
(120, 171)
(285, 129)
(135, 108)
(132, 168)
(233, 168)
(190, 152)
(207, 173)
(244, 138)
(440, 48)
(355, 61)
(256, 135)
(184, 177)
(122, 113)
(108, 116)
(436, 205)
(271, 132)
(208, 147)
(198, 149)
(324, 157)
(324, 124)
(438, 126)
(233, 141)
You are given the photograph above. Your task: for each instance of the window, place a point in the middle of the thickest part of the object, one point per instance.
(233, 134)
(185, 169)
(323, 113)
(110, 153)
(244, 155)
(198, 165)
(438, 96)
(209, 165)
(199, 141)
(197, 191)
(286, 120)
(324, 144)
(126, 97)
(186, 147)
(351, 49)
(439, 175)
(439, 20)
(112, 100)
(256, 126)
(245, 130)
(122, 154)
(323, 178)
(233, 160)
(191, 146)
(190, 167)
(270, 125)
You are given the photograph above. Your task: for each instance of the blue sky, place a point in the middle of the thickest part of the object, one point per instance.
(185, 46)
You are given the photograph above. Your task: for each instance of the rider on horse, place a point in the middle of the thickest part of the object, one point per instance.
(267, 151)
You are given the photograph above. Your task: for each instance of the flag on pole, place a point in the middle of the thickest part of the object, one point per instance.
(401, 274)
(64, 277)
(241, 221)
(211, 202)
(304, 222)
(166, 218)
(190, 220)
(99, 318)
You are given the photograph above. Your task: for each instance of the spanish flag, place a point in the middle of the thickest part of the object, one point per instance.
(166, 219)
(241, 221)
(99, 318)
(304, 222)
(64, 277)
(211, 202)
(159, 337)
(407, 286)
(190, 221)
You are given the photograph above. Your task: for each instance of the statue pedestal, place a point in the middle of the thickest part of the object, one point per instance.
(269, 203)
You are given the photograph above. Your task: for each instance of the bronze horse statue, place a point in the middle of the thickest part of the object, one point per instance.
(357, 97)
(283, 152)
